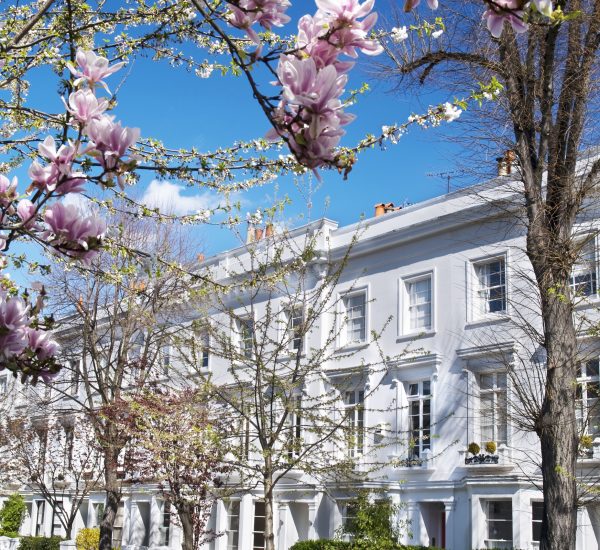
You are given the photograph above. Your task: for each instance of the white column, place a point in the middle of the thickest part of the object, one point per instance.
(246, 519)
(221, 525)
(521, 516)
(414, 515)
(282, 517)
(449, 519)
(312, 516)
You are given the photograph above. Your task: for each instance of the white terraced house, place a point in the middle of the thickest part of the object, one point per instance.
(444, 413)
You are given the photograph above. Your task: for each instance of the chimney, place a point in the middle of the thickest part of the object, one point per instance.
(268, 230)
(505, 163)
(258, 233)
(384, 208)
(200, 258)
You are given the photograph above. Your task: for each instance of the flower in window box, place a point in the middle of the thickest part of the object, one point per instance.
(473, 448)
(490, 447)
(585, 443)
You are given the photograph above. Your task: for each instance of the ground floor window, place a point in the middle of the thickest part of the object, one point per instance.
(233, 524)
(499, 520)
(56, 523)
(537, 509)
(258, 531)
(39, 517)
(165, 527)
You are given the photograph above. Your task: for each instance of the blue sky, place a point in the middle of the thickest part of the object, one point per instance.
(184, 110)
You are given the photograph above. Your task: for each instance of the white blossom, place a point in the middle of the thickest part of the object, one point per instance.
(399, 34)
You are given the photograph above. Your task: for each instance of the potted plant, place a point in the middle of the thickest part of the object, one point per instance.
(480, 458)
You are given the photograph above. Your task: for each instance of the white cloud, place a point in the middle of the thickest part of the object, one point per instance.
(168, 198)
(84, 204)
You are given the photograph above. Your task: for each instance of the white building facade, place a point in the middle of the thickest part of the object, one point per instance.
(452, 275)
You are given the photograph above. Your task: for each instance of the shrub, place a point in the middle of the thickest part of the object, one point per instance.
(40, 543)
(322, 544)
(11, 515)
(490, 447)
(88, 539)
(473, 448)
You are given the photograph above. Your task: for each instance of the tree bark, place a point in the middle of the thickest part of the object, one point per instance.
(557, 426)
(187, 526)
(113, 498)
(268, 492)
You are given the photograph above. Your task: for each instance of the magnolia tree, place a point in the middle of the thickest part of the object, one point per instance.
(56, 457)
(86, 148)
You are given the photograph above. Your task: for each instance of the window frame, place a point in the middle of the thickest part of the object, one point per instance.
(476, 312)
(294, 421)
(586, 240)
(342, 337)
(488, 520)
(536, 521)
(229, 531)
(245, 343)
(583, 410)
(355, 411)
(256, 531)
(404, 315)
(495, 390)
(420, 397)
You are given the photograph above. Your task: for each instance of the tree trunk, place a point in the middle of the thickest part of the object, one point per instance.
(557, 426)
(187, 526)
(113, 498)
(268, 492)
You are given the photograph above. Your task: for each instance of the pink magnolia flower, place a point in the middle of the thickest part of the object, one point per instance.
(92, 68)
(85, 106)
(26, 211)
(501, 11)
(73, 183)
(71, 233)
(41, 343)
(111, 140)
(43, 177)
(410, 5)
(348, 33)
(8, 190)
(14, 318)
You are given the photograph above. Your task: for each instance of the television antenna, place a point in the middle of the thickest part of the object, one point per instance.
(446, 175)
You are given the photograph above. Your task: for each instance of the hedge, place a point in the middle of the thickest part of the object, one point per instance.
(40, 543)
(325, 544)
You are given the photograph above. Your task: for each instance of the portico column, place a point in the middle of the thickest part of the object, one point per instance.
(221, 525)
(449, 521)
(246, 522)
(282, 514)
(312, 516)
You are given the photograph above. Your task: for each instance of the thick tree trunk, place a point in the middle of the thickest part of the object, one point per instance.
(557, 426)
(187, 526)
(113, 498)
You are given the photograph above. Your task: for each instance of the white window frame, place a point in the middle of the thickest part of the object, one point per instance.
(232, 536)
(495, 391)
(355, 416)
(40, 510)
(590, 241)
(294, 421)
(201, 354)
(290, 316)
(404, 314)
(254, 530)
(423, 441)
(164, 529)
(585, 381)
(242, 342)
(488, 503)
(343, 340)
(476, 310)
